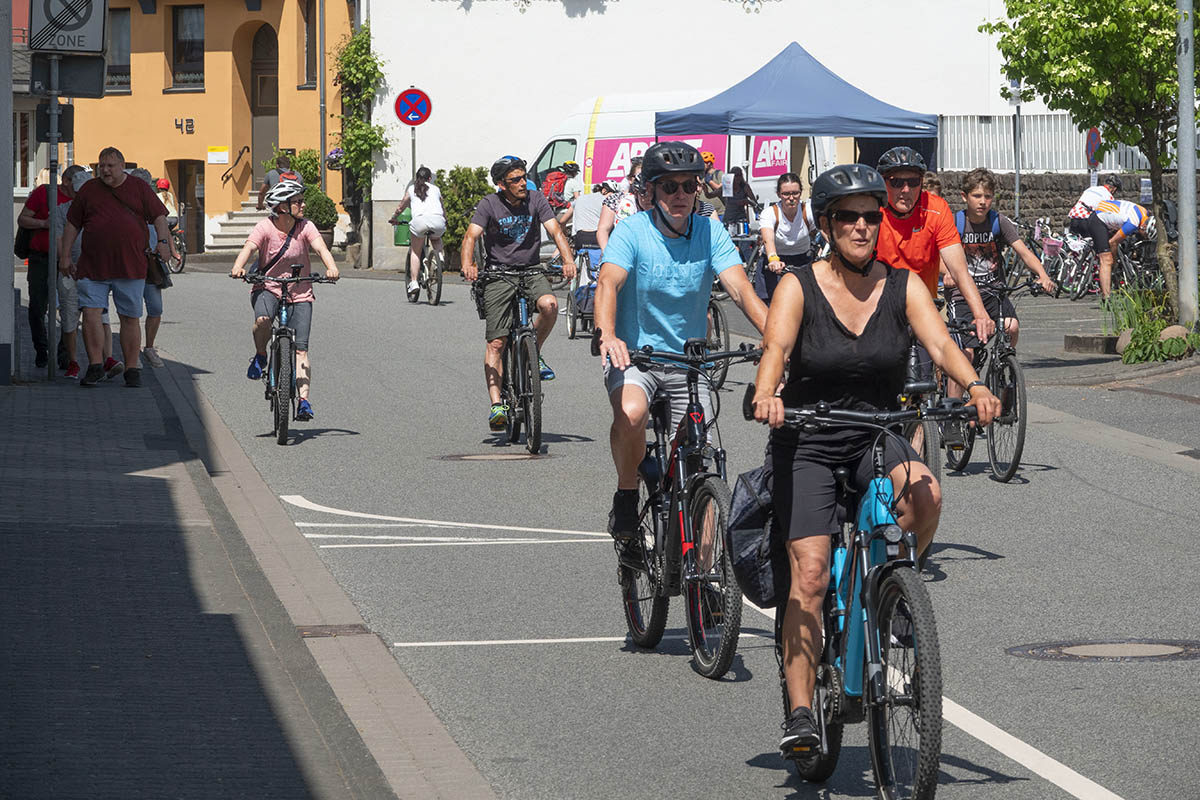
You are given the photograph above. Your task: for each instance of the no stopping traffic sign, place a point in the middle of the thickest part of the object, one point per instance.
(413, 106)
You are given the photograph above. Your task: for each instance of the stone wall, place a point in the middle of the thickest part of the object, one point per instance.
(1048, 194)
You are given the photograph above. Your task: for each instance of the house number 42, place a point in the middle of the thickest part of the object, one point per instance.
(186, 125)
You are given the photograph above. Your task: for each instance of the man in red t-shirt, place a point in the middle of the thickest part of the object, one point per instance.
(35, 216)
(918, 232)
(113, 211)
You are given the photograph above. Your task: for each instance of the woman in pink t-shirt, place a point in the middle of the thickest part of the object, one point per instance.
(286, 202)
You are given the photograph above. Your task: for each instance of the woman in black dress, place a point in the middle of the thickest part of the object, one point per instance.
(842, 325)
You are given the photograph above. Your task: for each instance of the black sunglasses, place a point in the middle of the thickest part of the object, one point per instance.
(516, 179)
(900, 183)
(689, 186)
(847, 217)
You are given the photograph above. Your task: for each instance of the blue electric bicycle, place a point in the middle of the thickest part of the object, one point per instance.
(880, 659)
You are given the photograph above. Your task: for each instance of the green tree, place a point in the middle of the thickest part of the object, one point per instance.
(1111, 64)
(462, 188)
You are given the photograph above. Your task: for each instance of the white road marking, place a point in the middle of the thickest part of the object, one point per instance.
(1001, 741)
(570, 640)
(1007, 745)
(299, 501)
(459, 543)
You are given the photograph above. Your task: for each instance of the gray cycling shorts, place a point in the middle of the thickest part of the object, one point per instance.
(266, 304)
(669, 378)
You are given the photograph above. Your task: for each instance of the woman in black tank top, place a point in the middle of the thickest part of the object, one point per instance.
(842, 325)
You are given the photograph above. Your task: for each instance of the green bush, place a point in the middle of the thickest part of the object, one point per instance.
(319, 208)
(306, 163)
(462, 188)
(1146, 313)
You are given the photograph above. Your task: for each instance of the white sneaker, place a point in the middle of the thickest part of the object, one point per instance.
(152, 357)
(414, 287)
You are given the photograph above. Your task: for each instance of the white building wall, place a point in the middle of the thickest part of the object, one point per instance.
(500, 79)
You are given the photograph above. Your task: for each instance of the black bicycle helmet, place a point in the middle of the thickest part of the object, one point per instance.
(671, 158)
(1111, 181)
(901, 158)
(845, 180)
(505, 165)
(570, 168)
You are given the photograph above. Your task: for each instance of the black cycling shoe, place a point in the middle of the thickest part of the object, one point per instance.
(623, 519)
(800, 737)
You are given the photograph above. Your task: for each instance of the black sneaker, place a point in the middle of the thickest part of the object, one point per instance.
(800, 738)
(133, 378)
(94, 374)
(623, 519)
(40, 359)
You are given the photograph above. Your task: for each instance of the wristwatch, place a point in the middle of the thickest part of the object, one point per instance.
(973, 384)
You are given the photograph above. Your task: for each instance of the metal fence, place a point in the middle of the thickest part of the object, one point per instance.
(1049, 143)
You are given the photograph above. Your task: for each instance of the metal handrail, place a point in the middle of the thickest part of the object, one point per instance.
(227, 175)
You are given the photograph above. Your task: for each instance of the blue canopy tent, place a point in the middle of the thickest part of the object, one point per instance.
(795, 95)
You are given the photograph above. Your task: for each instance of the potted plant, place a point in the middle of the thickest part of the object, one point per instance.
(333, 159)
(321, 211)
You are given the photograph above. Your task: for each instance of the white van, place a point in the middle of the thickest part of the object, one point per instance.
(603, 133)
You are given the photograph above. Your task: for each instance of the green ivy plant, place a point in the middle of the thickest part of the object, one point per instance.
(359, 74)
(462, 188)
(305, 163)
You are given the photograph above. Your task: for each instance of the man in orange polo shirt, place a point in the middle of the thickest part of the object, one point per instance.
(918, 228)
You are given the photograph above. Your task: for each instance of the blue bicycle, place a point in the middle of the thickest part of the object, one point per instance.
(279, 378)
(880, 659)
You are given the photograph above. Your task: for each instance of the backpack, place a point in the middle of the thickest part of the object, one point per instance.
(553, 187)
(960, 222)
(288, 175)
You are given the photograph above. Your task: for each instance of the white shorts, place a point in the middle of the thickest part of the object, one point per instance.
(68, 304)
(427, 225)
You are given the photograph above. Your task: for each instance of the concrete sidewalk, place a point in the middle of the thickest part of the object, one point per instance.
(169, 632)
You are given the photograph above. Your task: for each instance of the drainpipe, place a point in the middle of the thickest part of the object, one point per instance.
(321, 80)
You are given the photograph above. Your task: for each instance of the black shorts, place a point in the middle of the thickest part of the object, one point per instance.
(1092, 228)
(957, 309)
(805, 492)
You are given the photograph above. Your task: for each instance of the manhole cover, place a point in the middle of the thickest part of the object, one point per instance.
(494, 457)
(1111, 650)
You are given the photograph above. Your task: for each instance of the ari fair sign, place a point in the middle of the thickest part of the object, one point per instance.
(770, 155)
(67, 26)
(611, 157)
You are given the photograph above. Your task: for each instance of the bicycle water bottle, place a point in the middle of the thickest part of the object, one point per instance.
(648, 469)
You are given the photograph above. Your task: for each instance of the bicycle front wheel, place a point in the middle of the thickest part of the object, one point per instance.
(718, 339)
(1086, 273)
(509, 393)
(642, 595)
(531, 394)
(930, 441)
(713, 599)
(433, 277)
(1006, 434)
(176, 264)
(282, 398)
(905, 725)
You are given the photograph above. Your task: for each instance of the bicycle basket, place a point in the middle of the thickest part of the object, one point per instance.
(1076, 244)
(755, 552)
(1051, 246)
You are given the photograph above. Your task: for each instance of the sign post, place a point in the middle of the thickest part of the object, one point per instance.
(413, 107)
(59, 27)
(1014, 86)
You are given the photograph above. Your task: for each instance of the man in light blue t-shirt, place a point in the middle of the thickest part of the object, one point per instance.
(653, 289)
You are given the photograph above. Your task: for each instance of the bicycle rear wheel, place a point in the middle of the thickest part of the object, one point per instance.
(531, 394)
(642, 595)
(905, 726)
(176, 264)
(281, 401)
(1006, 434)
(718, 339)
(711, 594)
(432, 264)
(930, 449)
(1086, 273)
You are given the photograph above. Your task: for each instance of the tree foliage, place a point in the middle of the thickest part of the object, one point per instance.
(1111, 64)
(359, 74)
(462, 189)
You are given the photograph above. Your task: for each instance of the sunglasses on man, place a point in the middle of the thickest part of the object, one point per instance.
(900, 183)
(689, 186)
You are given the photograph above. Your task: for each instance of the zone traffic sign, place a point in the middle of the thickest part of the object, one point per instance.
(67, 26)
(413, 106)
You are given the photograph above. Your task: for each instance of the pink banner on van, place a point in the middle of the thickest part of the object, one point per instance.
(610, 157)
(770, 156)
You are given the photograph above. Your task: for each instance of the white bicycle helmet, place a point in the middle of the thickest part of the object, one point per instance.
(1151, 228)
(287, 189)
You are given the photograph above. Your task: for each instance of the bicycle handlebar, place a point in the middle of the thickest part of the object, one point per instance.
(822, 415)
(254, 277)
(647, 354)
(492, 272)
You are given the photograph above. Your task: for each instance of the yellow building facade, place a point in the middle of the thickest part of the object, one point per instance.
(202, 92)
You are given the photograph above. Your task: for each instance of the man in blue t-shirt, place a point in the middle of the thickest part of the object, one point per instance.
(653, 289)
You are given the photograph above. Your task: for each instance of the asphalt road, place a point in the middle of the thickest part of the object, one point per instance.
(1093, 540)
